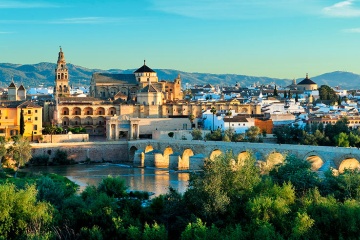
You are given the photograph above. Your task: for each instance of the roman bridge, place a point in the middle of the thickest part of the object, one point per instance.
(190, 154)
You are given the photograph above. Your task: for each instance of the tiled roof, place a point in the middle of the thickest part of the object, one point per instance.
(143, 69)
(306, 81)
(237, 118)
(114, 78)
(12, 84)
(19, 104)
(149, 88)
(21, 87)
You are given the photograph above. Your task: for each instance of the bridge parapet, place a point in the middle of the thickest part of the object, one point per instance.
(321, 157)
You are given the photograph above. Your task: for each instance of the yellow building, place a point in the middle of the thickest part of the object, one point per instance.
(10, 112)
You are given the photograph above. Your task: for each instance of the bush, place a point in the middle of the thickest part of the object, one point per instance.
(41, 160)
(61, 158)
(196, 134)
(171, 134)
(113, 187)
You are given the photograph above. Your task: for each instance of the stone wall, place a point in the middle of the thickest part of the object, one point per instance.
(62, 138)
(80, 152)
(148, 125)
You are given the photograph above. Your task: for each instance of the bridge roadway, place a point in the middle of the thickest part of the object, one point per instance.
(190, 154)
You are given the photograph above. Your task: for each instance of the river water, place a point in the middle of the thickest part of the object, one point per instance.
(152, 180)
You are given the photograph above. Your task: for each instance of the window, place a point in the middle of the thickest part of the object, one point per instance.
(29, 111)
(112, 112)
(35, 132)
(99, 122)
(35, 127)
(35, 111)
(36, 118)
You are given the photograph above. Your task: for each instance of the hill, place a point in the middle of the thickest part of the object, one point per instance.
(32, 75)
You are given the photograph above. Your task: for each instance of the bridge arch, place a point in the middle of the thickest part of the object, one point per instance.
(185, 159)
(132, 151)
(315, 159)
(168, 151)
(215, 153)
(149, 148)
(274, 158)
(349, 162)
(242, 156)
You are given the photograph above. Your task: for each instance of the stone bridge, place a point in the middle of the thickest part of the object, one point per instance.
(183, 154)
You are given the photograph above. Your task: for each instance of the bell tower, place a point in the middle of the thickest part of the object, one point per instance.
(61, 77)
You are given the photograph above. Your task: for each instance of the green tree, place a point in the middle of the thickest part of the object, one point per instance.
(2, 150)
(285, 94)
(289, 94)
(327, 93)
(214, 136)
(275, 92)
(196, 134)
(113, 187)
(154, 232)
(20, 152)
(342, 140)
(253, 133)
(22, 216)
(296, 97)
(213, 111)
(218, 189)
(339, 101)
(22, 122)
(296, 171)
(191, 119)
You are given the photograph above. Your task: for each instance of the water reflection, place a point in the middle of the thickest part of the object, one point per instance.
(140, 179)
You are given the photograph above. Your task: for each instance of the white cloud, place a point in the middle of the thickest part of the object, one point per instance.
(237, 9)
(23, 4)
(6, 32)
(352, 30)
(347, 8)
(89, 20)
(80, 20)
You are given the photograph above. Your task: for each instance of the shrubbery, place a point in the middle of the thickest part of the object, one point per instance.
(229, 199)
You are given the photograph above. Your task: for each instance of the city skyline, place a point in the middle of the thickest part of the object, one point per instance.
(281, 39)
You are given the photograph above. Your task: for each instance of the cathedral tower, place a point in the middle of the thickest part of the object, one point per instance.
(61, 77)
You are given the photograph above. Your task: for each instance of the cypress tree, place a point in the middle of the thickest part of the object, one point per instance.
(296, 97)
(275, 92)
(22, 123)
(285, 94)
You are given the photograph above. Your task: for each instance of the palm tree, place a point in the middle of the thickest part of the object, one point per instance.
(228, 114)
(213, 111)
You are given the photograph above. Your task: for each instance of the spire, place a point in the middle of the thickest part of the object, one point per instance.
(307, 76)
(144, 62)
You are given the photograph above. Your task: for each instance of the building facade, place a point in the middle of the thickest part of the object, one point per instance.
(10, 112)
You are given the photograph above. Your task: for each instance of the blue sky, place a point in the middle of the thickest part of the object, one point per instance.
(275, 38)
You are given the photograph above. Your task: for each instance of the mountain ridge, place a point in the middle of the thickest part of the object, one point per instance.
(43, 73)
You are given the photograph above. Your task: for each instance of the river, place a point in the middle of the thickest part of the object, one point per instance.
(152, 180)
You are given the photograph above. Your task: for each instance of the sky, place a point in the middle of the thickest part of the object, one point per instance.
(273, 38)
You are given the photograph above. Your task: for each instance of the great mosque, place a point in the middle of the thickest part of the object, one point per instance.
(129, 105)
